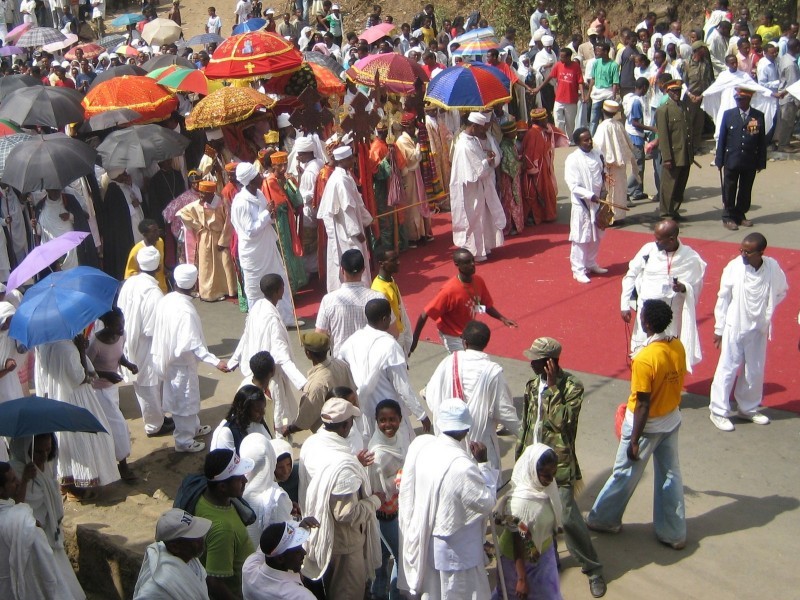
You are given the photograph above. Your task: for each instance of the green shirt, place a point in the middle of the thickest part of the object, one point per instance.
(605, 73)
(227, 544)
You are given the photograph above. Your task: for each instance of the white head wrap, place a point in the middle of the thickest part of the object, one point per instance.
(148, 258)
(214, 134)
(547, 40)
(283, 120)
(304, 144)
(478, 118)
(453, 415)
(245, 172)
(185, 276)
(342, 152)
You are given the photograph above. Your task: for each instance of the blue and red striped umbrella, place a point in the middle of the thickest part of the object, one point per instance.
(474, 86)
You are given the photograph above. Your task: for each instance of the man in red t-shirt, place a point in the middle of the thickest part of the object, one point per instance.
(569, 89)
(460, 300)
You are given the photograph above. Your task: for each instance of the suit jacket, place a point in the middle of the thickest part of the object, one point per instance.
(675, 141)
(741, 145)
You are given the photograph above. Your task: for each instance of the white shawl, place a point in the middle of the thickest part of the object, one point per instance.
(177, 330)
(719, 97)
(138, 300)
(389, 456)
(167, 577)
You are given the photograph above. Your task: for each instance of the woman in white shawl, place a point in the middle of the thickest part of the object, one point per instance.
(55, 220)
(39, 490)
(269, 501)
(10, 386)
(531, 516)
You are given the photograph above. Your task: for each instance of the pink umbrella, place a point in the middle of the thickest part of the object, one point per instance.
(14, 35)
(376, 32)
(43, 256)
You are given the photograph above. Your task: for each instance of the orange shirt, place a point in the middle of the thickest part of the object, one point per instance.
(457, 303)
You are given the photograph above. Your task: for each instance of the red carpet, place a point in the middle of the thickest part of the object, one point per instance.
(530, 281)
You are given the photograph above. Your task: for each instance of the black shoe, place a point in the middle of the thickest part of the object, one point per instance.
(167, 428)
(597, 586)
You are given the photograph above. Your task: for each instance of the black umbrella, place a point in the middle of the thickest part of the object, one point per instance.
(113, 40)
(10, 83)
(204, 38)
(328, 62)
(109, 119)
(46, 106)
(117, 72)
(140, 146)
(47, 162)
(165, 60)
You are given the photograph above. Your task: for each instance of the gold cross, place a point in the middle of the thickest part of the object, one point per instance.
(250, 67)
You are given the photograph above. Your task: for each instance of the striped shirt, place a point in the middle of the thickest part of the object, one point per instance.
(341, 312)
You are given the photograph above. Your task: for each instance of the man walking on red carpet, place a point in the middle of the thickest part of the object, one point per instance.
(460, 300)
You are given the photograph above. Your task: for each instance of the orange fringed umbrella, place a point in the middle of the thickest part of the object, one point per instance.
(252, 56)
(227, 106)
(328, 83)
(325, 81)
(138, 93)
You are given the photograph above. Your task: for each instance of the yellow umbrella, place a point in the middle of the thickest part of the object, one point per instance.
(227, 106)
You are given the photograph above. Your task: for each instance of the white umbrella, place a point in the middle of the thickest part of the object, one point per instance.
(161, 31)
(71, 38)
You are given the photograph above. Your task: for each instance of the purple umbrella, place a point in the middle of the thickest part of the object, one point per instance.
(43, 256)
(11, 50)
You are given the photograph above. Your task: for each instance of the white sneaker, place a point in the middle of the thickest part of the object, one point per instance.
(721, 423)
(581, 277)
(193, 447)
(203, 430)
(598, 270)
(756, 417)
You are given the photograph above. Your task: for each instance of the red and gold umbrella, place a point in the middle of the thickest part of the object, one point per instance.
(398, 74)
(252, 56)
(138, 93)
(227, 106)
(90, 51)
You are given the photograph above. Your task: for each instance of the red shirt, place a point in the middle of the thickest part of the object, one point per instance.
(429, 70)
(568, 77)
(68, 83)
(455, 304)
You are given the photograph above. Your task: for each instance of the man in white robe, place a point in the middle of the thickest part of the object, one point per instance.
(258, 242)
(273, 571)
(614, 144)
(584, 173)
(476, 212)
(751, 288)
(342, 210)
(138, 299)
(380, 370)
(445, 499)
(264, 330)
(171, 569)
(717, 42)
(335, 488)
(178, 345)
(469, 374)
(667, 270)
(304, 166)
(27, 568)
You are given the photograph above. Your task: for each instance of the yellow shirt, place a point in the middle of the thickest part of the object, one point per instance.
(771, 33)
(392, 293)
(132, 268)
(659, 369)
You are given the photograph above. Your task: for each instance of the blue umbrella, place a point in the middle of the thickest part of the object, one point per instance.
(33, 415)
(249, 25)
(61, 305)
(127, 19)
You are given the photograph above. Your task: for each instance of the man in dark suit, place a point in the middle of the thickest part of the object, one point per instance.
(677, 151)
(742, 152)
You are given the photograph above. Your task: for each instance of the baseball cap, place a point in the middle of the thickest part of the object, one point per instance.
(293, 536)
(237, 467)
(176, 523)
(543, 347)
(453, 415)
(338, 410)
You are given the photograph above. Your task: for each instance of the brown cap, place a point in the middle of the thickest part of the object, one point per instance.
(316, 342)
(543, 347)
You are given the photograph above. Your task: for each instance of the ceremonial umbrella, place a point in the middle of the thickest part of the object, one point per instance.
(13, 35)
(11, 51)
(467, 88)
(33, 415)
(45, 106)
(326, 82)
(252, 56)
(398, 74)
(128, 19)
(90, 51)
(40, 36)
(114, 72)
(68, 40)
(126, 51)
(161, 31)
(205, 39)
(109, 119)
(494, 71)
(9, 83)
(8, 128)
(44, 255)
(164, 60)
(476, 47)
(7, 143)
(140, 146)
(249, 25)
(475, 34)
(61, 305)
(138, 93)
(376, 32)
(188, 80)
(47, 162)
(327, 61)
(226, 106)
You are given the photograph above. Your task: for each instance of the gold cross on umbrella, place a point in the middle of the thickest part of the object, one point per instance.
(311, 116)
(250, 67)
(361, 123)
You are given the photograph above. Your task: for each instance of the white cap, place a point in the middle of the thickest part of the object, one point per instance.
(304, 144)
(293, 537)
(270, 11)
(176, 524)
(214, 134)
(245, 172)
(148, 258)
(185, 276)
(342, 152)
(538, 35)
(335, 7)
(547, 40)
(611, 106)
(283, 120)
(478, 118)
(237, 467)
(453, 415)
(65, 64)
(338, 410)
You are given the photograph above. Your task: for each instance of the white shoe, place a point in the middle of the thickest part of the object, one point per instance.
(721, 423)
(598, 270)
(193, 447)
(756, 417)
(581, 277)
(203, 430)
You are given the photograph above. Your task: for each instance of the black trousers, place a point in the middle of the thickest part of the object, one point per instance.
(738, 187)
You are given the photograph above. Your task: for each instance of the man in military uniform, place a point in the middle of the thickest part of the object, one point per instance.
(699, 75)
(677, 153)
(742, 152)
(556, 425)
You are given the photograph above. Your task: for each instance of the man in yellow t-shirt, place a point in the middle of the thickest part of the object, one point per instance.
(652, 421)
(389, 264)
(152, 237)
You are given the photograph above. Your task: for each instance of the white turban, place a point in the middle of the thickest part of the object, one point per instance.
(547, 40)
(304, 144)
(453, 415)
(538, 35)
(283, 120)
(478, 118)
(148, 258)
(214, 134)
(185, 276)
(342, 152)
(245, 172)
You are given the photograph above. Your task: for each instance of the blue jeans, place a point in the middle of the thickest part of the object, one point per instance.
(668, 506)
(385, 584)
(596, 116)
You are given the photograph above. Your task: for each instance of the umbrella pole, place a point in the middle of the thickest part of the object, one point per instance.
(291, 296)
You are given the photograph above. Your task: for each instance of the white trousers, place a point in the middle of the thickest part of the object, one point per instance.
(252, 291)
(108, 398)
(565, 115)
(451, 342)
(747, 350)
(149, 398)
(583, 256)
(186, 428)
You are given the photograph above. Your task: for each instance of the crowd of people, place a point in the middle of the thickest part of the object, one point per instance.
(369, 506)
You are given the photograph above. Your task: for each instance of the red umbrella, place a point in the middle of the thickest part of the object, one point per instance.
(398, 74)
(376, 32)
(252, 56)
(90, 51)
(141, 94)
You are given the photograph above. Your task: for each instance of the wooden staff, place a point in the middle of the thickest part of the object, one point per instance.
(613, 205)
(397, 210)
